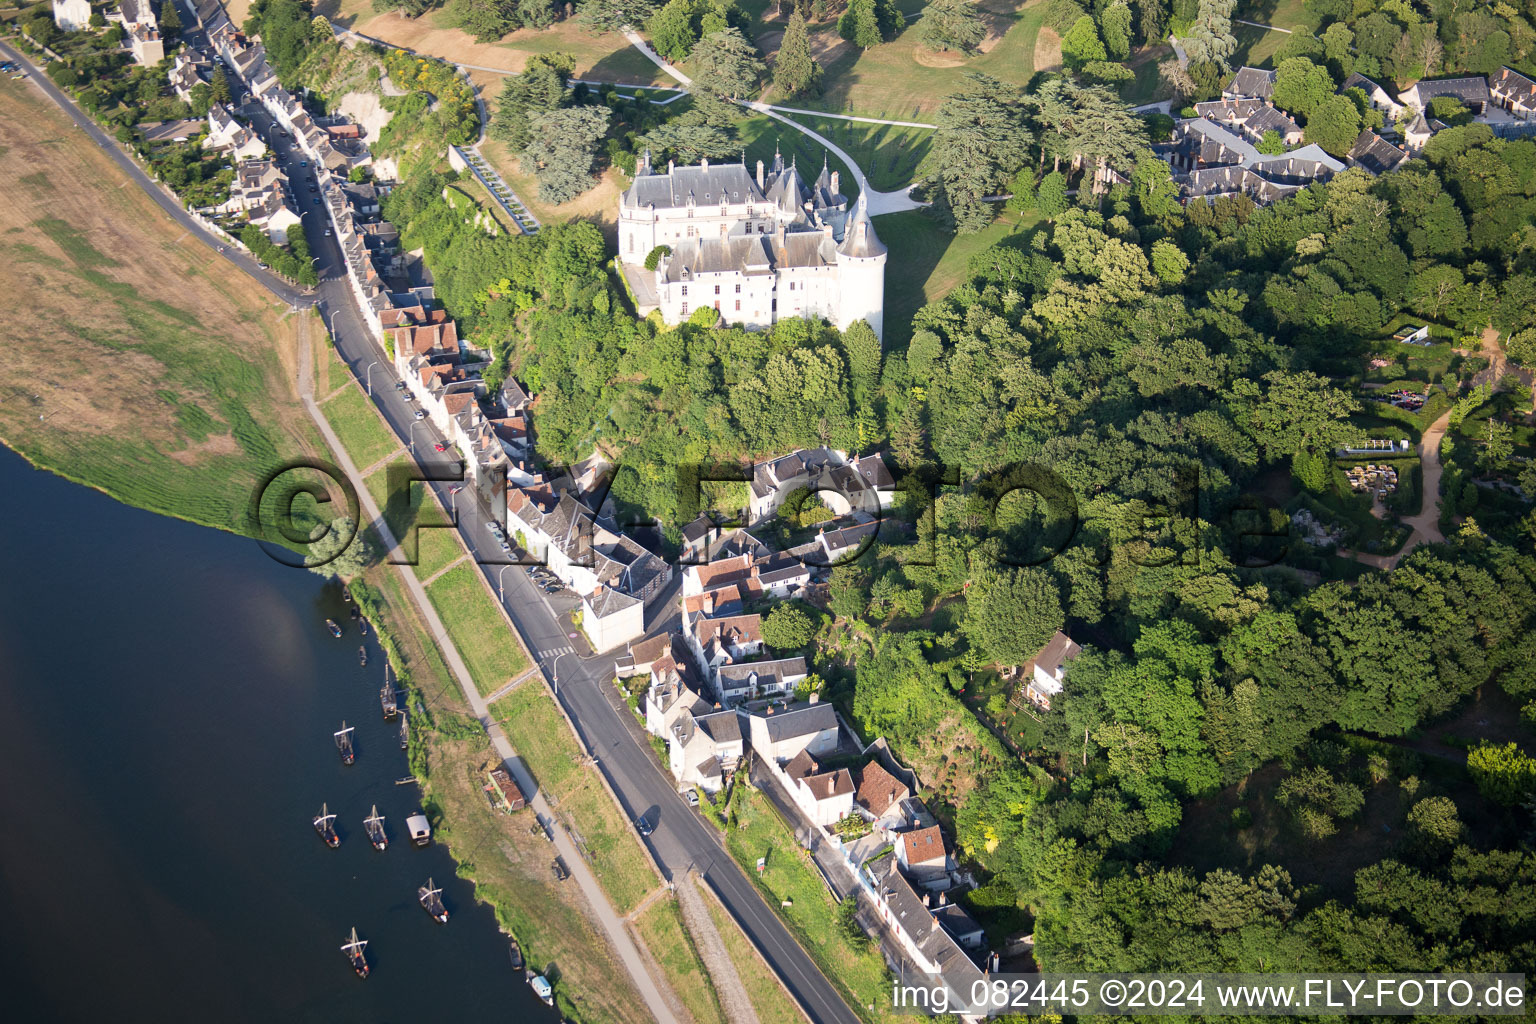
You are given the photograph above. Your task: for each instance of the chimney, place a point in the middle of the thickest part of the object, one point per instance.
(815, 697)
(834, 184)
(705, 163)
(759, 174)
(670, 167)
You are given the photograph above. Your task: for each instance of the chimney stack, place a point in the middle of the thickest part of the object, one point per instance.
(670, 167)
(815, 697)
(834, 184)
(705, 163)
(759, 174)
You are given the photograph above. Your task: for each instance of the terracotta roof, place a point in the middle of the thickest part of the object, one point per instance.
(923, 845)
(723, 571)
(733, 629)
(879, 790)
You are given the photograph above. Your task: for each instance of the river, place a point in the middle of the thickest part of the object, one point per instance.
(167, 699)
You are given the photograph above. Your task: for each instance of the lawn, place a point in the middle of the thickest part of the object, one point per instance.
(889, 155)
(767, 994)
(791, 883)
(1292, 14)
(433, 548)
(330, 372)
(363, 434)
(900, 80)
(163, 377)
(1256, 47)
(662, 930)
(482, 635)
(543, 740)
(931, 262)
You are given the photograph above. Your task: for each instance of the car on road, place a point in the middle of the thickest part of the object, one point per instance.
(645, 827)
(263, 266)
(421, 414)
(303, 163)
(399, 385)
(327, 232)
(506, 548)
(438, 446)
(314, 188)
(493, 526)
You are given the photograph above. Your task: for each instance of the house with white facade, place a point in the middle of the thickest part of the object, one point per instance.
(862, 484)
(704, 749)
(758, 680)
(826, 797)
(72, 15)
(142, 26)
(879, 795)
(780, 735)
(1251, 83)
(1511, 91)
(921, 934)
(923, 858)
(227, 135)
(724, 640)
(755, 249)
(188, 71)
(1048, 671)
(1470, 90)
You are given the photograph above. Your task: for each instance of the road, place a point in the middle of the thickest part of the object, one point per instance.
(681, 839)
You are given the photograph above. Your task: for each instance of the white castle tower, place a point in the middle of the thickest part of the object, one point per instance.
(861, 272)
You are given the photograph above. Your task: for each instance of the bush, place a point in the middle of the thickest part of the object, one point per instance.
(653, 258)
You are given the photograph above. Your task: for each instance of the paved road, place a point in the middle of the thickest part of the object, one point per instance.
(288, 292)
(681, 839)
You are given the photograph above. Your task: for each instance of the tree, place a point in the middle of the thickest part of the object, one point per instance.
(1081, 44)
(611, 15)
(1301, 86)
(1271, 144)
(342, 550)
(220, 85)
(1435, 823)
(653, 258)
(1502, 774)
(788, 628)
(485, 20)
(1173, 73)
(794, 71)
(539, 89)
(981, 141)
(673, 29)
(1334, 125)
(951, 25)
(1210, 36)
(1498, 443)
(170, 19)
(868, 23)
(1115, 28)
(727, 65)
(563, 145)
(1169, 262)
(1021, 194)
(1051, 196)
(1301, 413)
(1011, 613)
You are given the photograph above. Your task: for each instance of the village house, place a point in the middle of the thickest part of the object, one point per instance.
(1471, 91)
(757, 250)
(142, 26)
(723, 572)
(847, 542)
(879, 795)
(1375, 95)
(1511, 91)
(862, 484)
(1374, 154)
(778, 736)
(781, 575)
(704, 749)
(640, 655)
(227, 135)
(1250, 83)
(923, 858)
(1253, 117)
(1048, 671)
(72, 15)
(504, 790)
(704, 540)
(825, 797)
(758, 680)
(1200, 145)
(723, 640)
(188, 71)
(921, 935)
(674, 688)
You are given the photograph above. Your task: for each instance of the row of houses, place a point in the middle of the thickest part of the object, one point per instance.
(1215, 153)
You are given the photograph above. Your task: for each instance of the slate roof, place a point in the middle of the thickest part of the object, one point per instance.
(1508, 82)
(829, 785)
(1252, 82)
(1271, 120)
(1471, 90)
(706, 185)
(1230, 111)
(1375, 153)
(777, 673)
(859, 238)
(1058, 650)
(806, 721)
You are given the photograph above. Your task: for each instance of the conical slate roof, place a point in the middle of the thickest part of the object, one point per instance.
(859, 238)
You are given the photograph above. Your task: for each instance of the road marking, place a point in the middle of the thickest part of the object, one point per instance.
(555, 652)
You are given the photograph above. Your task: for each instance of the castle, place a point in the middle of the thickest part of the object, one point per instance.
(758, 249)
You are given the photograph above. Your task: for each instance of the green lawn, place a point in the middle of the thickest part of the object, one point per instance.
(433, 547)
(788, 878)
(1256, 47)
(768, 997)
(762, 135)
(477, 627)
(928, 262)
(668, 939)
(363, 434)
(543, 740)
(1292, 14)
(890, 156)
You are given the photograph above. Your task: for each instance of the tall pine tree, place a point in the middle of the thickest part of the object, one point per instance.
(794, 71)
(951, 25)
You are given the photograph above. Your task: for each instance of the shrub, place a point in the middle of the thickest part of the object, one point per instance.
(653, 258)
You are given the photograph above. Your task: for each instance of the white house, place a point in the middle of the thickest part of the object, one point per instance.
(142, 25)
(1375, 95)
(922, 856)
(757, 250)
(825, 797)
(780, 735)
(924, 939)
(229, 135)
(1514, 92)
(758, 680)
(879, 795)
(861, 484)
(723, 640)
(1049, 670)
(72, 15)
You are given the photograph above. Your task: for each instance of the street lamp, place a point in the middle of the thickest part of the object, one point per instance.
(333, 322)
(554, 670)
(369, 377)
(414, 425)
(501, 582)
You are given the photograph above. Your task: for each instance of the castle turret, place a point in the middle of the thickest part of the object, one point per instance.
(861, 272)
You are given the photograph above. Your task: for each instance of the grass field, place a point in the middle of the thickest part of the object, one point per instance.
(543, 740)
(155, 372)
(811, 912)
(932, 262)
(889, 155)
(362, 433)
(330, 372)
(435, 547)
(477, 627)
(662, 930)
(769, 999)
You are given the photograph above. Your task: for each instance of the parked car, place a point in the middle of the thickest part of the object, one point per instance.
(399, 385)
(645, 827)
(438, 446)
(493, 526)
(327, 232)
(317, 200)
(506, 548)
(692, 797)
(421, 414)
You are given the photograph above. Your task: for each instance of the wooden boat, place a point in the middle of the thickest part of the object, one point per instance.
(362, 656)
(387, 701)
(344, 743)
(325, 825)
(330, 624)
(543, 989)
(362, 626)
(431, 899)
(405, 732)
(515, 952)
(346, 592)
(354, 951)
(374, 826)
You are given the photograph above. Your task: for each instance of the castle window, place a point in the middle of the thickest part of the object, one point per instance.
(791, 286)
(685, 309)
(738, 289)
(685, 291)
(717, 289)
(738, 305)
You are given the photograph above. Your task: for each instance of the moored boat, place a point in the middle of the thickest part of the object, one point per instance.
(431, 898)
(344, 743)
(354, 951)
(543, 989)
(330, 624)
(405, 732)
(515, 952)
(362, 656)
(374, 825)
(387, 700)
(325, 825)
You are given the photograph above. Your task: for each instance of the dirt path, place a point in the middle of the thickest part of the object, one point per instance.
(722, 971)
(1425, 524)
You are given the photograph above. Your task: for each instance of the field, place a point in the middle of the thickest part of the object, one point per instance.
(153, 371)
(364, 436)
(435, 548)
(809, 909)
(931, 262)
(661, 928)
(477, 627)
(543, 740)
(889, 155)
